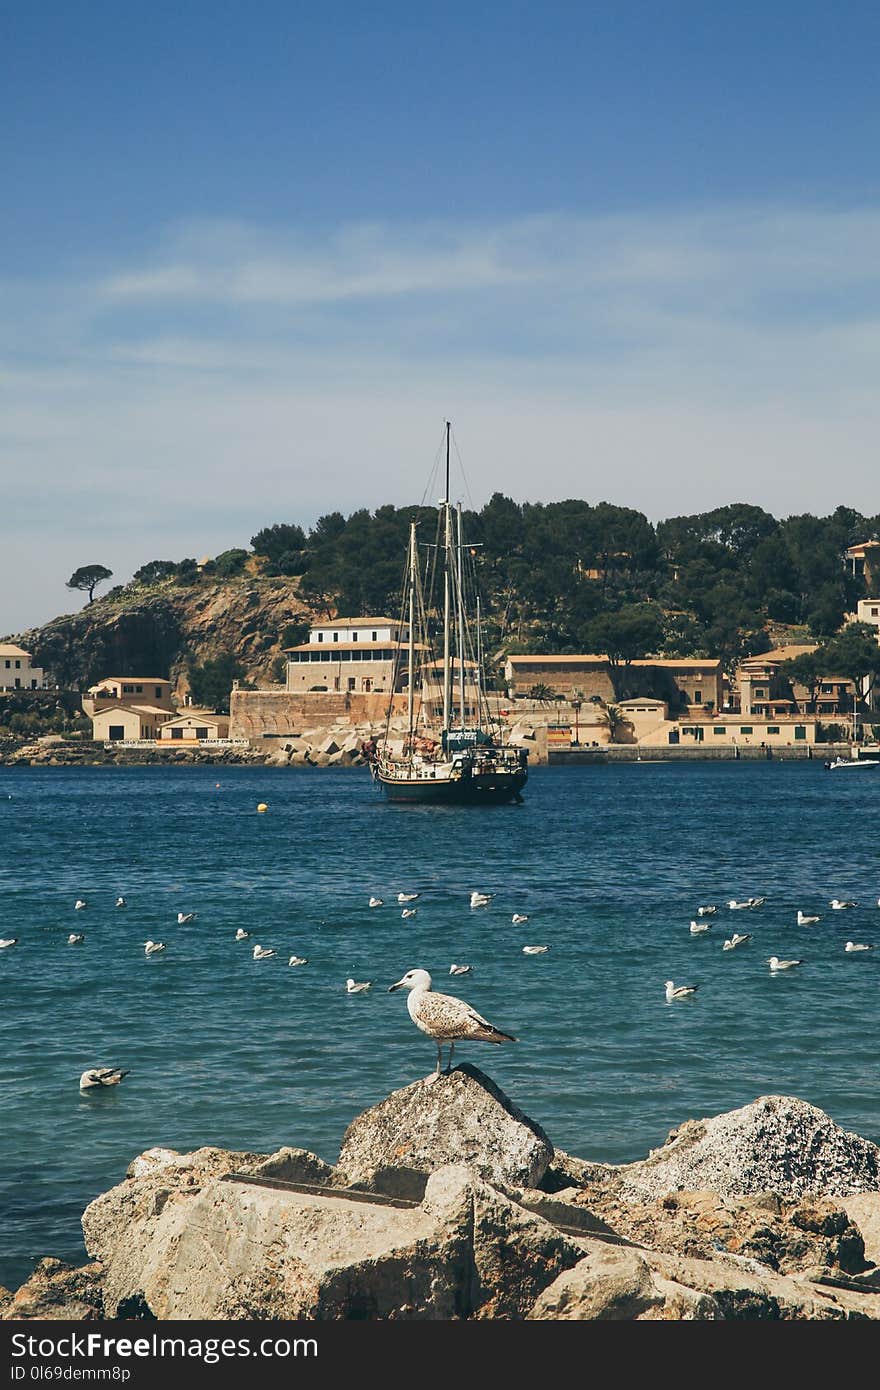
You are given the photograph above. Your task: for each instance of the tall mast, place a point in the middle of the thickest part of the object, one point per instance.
(460, 621)
(447, 603)
(412, 639)
(479, 667)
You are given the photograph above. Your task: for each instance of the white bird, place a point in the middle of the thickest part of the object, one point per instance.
(518, 918)
(674, 991)
(376, 902)
(481, 899)
(409, 912)
(120, 902)
(152, 948)
(79, 904)
(739, 906)
(408, 897)
(357, 986)
(7, 941)
(738, 939)
(706, 911)
(298, 960)
(97, 1077)
(697, 928)
(757, 902)
(184, 917)
(445, 1018)
(535, 950)
(776, 964)
(804, 921)
(839, 904)
(857, 946)
(76, 938)
(263, 952)
(241, 934)
(460, 969)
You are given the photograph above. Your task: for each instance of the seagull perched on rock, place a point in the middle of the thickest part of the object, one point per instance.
(535, 950)
(120, 902)
(263, 953)
(76, 938)
(738, 939)
(518, 918)
(674, 991)
(357, 986)
(445, 1018)
(776, 964)
(408, 897)
(376, 902)
(96, 1078)
(79, 905)
(460, 969)
(804, 921)
(7, 941)
(706, 911)
(697, 928)
(409, 912)
(152, 948)
(298, 960)
(857, 946)
(840, 904)
(241, 934)
(481, 899)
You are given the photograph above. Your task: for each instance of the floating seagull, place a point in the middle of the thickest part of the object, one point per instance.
(7, 941)
(241, 934)
(776, 964)
(263, 952)
(518, 918)
(298, 960)
(409, 912)
(706, 911)
(376, 902)
(857, 946)
(674, 991)
(120, 902)
(408, 897)
(481, 899)
(97, 1077)
(804, 921)
(79, 904)
(445, 1018)
(738, 906)
(357, 986)
(535, 950)
(698, 927)
(757, 902)
(184, 917)
(460, 969)
(738, 939)
(152, 948)
(76, 938)
(839, 904)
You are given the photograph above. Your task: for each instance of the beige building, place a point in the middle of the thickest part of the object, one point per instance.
(195, 726)
(17, 671)
(350, 655)
(678, 681)
(764, 690)
(867, 611)
(117, 722)
(154, 691)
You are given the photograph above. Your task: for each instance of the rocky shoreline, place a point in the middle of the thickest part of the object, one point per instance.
(446, 1202)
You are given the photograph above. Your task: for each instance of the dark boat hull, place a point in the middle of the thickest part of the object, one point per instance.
(484, 789)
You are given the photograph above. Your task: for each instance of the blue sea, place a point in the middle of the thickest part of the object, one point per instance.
(609, 863)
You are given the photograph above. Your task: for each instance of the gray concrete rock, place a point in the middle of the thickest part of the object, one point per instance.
(462, 1118)
(775, 1144)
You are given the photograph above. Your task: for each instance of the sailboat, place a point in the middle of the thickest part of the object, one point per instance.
(452, 751)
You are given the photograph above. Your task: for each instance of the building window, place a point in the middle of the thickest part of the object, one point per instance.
(757, 709)
(201, 733)
(128, 690)
(139, 690)
(158, 690)
(352, 682)
(177, 733)
(745, 728)
(698, 697)
(8, 665)
(320, 636)
(116, 731)
(772, 729)
(759, 694)
(827, 689)
(718, 730)
(376, 635)
(18, 665)
(800, 731)
(336, 637)
(875, 612)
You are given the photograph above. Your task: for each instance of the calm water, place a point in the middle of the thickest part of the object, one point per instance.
(610, 864)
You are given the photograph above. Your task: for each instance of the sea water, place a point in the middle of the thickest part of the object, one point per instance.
(609, 862)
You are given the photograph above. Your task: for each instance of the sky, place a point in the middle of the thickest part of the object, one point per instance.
(253, 255)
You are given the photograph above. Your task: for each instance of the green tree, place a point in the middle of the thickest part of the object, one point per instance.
(87, 578)
(295, 633)
(155, 571)
(211, 683)
(627, 634)
(854, 653)
(276, 542)
(230, 563)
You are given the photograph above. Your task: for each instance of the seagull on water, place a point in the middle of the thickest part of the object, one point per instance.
(745, 903)
(184, 917)
(481, 899)
(857, 946)
(120, 902)
(840, 904)
(241, 934)
(674, 991)
(76, 938)
(804, 921)
(298, 960)
(98, 1077)
(152, 948)
(357, 986)
(408, 897)
(376, 902)
(460, 969)
(79, 904)
(706, 911)
(409, 912)
(535, 950)
(263, 952)
(697, 928)
(7, 941)
(518, 918)
(776, 964)
(445, 1018)
(738, 939)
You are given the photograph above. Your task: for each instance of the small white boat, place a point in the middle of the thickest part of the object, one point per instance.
(851, 762)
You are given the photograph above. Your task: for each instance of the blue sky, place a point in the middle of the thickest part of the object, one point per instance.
(251, 256)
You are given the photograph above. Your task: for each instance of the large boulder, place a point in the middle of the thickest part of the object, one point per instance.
(59, 1292)
(775, 1144)
(462, 1118)
(611, 1284)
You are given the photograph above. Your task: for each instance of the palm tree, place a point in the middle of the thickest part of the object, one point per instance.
(615, 720)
